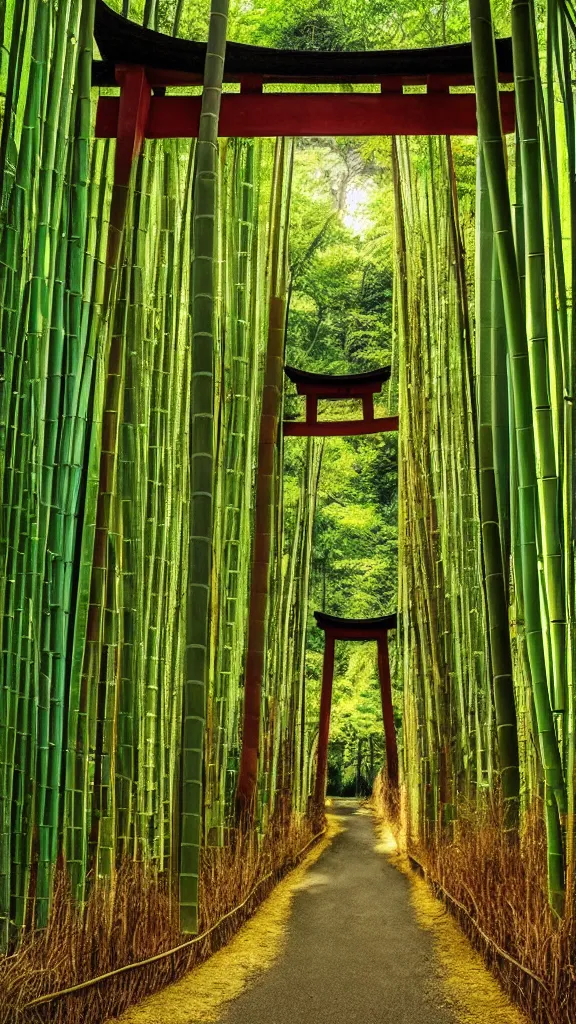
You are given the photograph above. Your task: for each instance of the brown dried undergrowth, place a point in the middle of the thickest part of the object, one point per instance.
(203, 994)
(496, 889)
(135, 919)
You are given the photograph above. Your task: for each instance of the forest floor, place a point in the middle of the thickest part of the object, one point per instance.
(347, 938)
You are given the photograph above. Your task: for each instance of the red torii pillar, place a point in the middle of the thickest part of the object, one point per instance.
(336, 628)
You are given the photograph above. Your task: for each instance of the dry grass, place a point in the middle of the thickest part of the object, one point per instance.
(496, 889)
(203, 993)
(474, 996)
(136, 919)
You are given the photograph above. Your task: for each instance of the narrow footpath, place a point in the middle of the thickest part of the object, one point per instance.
(354, 952)
(347, 938)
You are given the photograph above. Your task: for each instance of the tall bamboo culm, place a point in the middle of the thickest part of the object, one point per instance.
(201, 465)
(266, 483)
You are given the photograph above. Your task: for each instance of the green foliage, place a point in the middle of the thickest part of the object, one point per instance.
(328, 24)
(357, 747)
(341, 285)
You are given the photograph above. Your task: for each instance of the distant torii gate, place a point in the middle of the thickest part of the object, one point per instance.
(335, 629)
(334, 387)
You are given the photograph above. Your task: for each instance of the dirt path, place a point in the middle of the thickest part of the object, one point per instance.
(345, 939)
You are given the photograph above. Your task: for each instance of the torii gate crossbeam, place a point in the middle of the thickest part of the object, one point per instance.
(317, 387)
(161, 62)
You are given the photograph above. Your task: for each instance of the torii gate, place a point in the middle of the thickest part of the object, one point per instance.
(144, 64)
(333, 387)
(355, 629)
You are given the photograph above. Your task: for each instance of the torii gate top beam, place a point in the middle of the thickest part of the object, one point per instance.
(338, 385)
(169, 61)
(355, 629)
(181, 61)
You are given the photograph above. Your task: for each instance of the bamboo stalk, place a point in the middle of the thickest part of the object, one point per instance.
(497, 606)
(264, 502)
(201, 467)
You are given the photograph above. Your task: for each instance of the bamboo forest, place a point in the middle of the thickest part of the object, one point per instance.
(287, 511)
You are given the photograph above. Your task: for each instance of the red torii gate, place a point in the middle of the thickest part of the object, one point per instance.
(334, 387)
(144, 64)
(336, 628)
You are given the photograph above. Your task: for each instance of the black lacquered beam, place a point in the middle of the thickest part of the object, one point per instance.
(124, 42)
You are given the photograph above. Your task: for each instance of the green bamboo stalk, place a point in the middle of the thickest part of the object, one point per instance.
(564, 211)
(499, 410)
(201, 462)
(240, 339)
(314, 465)
(265, 486)
(548, 482)
(496, 590)
(86, 394)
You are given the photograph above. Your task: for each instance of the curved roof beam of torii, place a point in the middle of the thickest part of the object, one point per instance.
(320, 383)
(355, 629)
(121, 41)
